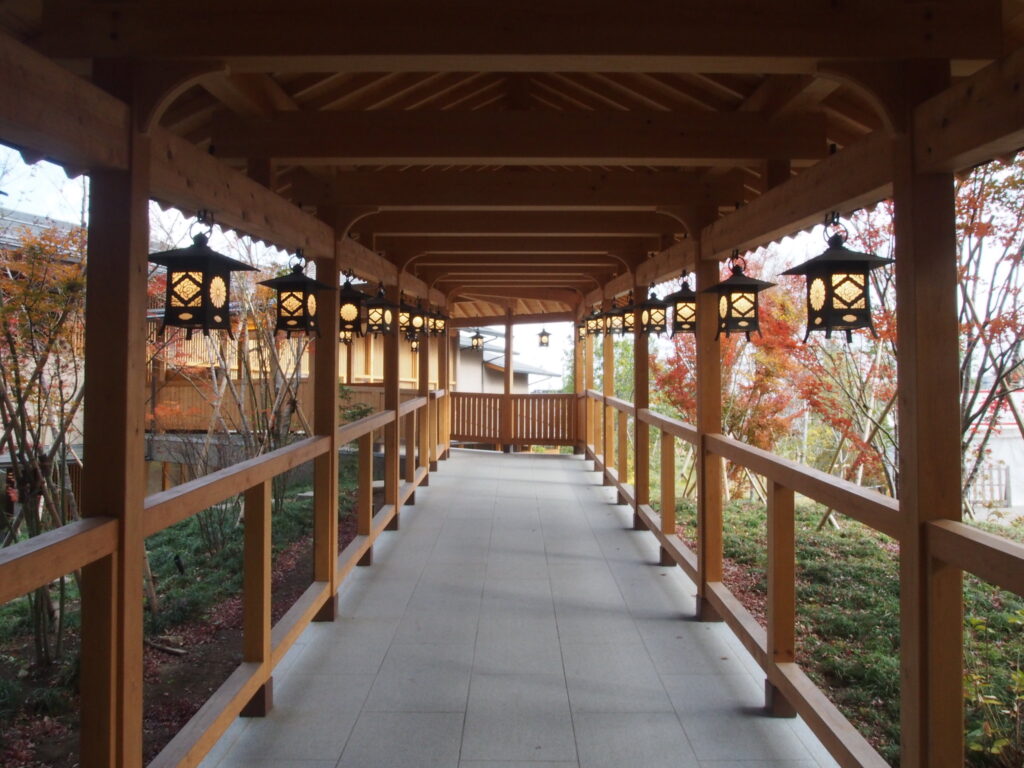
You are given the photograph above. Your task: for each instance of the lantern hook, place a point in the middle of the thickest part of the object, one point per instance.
(204, 217)
(835, 232)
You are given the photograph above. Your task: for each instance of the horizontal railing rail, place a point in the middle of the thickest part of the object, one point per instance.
(515, 420)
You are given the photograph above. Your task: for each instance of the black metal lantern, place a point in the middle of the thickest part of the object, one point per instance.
(838, 298)
(440, 324)
(345, 337)
(581, 332)
(543, 338)
(350, 308)
(595, 323)
(737, 299)
(414, 342)
(684, 308)
(296, 299)
(380, 313)
(198, 284)
(476, 341)
(615, 321)
(653, 314)
(410, 318)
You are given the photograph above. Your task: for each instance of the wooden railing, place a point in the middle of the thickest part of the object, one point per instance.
(789, 690)
(36, 562)
(515, 419)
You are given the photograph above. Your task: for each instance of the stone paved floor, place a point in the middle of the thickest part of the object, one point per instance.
(515, 620)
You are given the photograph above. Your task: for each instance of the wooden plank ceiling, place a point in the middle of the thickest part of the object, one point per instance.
(512, 158)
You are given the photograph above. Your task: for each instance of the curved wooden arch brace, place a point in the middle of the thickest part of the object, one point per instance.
(878, 84)
(404, 263)
(159, 86)
(684, 214)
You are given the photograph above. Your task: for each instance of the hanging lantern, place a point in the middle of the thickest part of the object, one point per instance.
(410, 318)
(414, 343)
(629, 316)
(345, 337)
(581, 332)
(838, 298)
(430, 318)
(684, 308)
(198, 284)
(614, 321)
(737, 299)
(296, 299)
(543, 338)
(440, 324)
(476, 341)
(350, 308)
(380, 313)
(653, 314)
(595, 323)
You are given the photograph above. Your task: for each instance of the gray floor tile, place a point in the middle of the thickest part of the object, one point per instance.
(518, 717)
(612, 678)
(404, 740)
(651, 740)
(419, 677)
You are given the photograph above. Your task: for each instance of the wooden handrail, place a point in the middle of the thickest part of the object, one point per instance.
(356, 429)
(168, 507)
(409, 406)
(862, 504)
(674, 427)
(620, 405)
(37, 561)
(993, 558)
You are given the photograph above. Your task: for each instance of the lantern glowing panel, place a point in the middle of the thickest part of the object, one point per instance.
(838, 298)
(350, 308)
(595, 323)
(345, 337)
(543, 338)
(476, 340)
(653, 314)
(198, 286)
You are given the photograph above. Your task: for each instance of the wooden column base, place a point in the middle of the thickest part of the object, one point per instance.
(262, 701)
(666, 559)
(393, 523)
(638, 523)
(329, 610)
(705, 611)
(425, 482)
(775, 703)
(367, 558)
(432, 466)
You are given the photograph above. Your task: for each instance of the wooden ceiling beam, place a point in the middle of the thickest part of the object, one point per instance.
(698, 36)
(518, 138)
(482, 244)
(549, 317)
(411, 223)
(510, 189)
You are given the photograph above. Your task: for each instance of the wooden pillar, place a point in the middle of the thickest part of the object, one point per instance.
(425, 417)
(931, 595)
(114, 482)
(580, 390)
(641, 431)
(325, 423)
(781, 592)
(588, 384)
(256, 617)
(392, 398)
(709, 421)
(668, 491)
(364, 499)
(506, 403)
(444, 382)
(607, 412)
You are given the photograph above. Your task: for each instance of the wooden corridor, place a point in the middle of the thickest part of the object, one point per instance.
(517, 619)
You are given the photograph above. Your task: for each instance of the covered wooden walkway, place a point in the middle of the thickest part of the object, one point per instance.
(517, 619)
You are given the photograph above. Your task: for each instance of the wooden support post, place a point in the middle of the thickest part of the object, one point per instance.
(709, 421)
(622, 451)
(579, 388)
(506, 402)
(256, 617)
(325, 422)
(588, 384)
(392, 398)
(425, 415)
(364, 500)
(668, 491)
(114, 425)
(409, 439)
(931, 593)
(781, 592)
(641, 431)
(607, 412)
